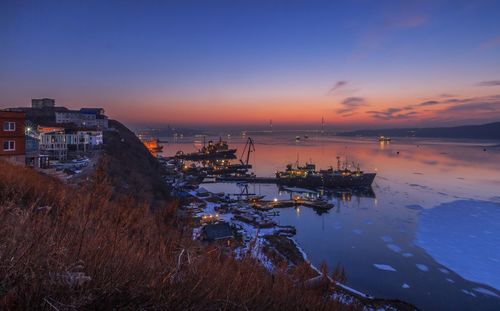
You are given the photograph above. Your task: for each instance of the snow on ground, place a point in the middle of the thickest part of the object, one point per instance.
(384, 267)
(464, 236)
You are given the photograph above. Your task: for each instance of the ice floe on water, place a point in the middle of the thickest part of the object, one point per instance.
(464, 236)
(422, 267)
(384, 267)
(394, 248)
(405, 285)
(486, 292)
(386, 238)
(468, 292)
(445, 271)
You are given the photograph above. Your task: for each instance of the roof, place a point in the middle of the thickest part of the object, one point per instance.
(218, 231)
(92, 111)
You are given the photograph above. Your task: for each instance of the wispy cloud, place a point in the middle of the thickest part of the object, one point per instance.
(351, 104)
(392, 114)
(489, 83)
(429, 103)
(338, 85)
(490, 44)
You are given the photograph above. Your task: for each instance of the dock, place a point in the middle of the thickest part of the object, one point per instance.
(248, 179)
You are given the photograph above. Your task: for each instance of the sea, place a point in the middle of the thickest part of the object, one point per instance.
(428, 232)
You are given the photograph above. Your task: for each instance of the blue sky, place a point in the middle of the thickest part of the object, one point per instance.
(179, 61)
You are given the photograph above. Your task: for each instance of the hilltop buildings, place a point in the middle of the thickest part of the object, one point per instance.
(52, 132)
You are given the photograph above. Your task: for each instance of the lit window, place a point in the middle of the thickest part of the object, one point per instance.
(9, 145)
(9, 126)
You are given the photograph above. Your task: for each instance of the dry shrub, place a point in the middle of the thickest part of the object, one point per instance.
(64, 248)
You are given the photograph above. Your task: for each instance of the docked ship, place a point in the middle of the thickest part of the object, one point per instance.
(153, 145)
(308, 177)
(212, 151)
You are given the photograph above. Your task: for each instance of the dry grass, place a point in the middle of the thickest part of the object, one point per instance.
(68, 249)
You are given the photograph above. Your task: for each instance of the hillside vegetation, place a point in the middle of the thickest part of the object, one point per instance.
(63, 248)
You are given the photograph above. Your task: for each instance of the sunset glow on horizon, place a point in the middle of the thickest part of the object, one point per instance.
(356, 64)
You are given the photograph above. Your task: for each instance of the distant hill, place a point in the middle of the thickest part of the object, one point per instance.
(485, 131)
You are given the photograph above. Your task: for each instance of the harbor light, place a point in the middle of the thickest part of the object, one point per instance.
(275, 200)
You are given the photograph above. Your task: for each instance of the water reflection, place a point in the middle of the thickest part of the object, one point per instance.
(367, 232)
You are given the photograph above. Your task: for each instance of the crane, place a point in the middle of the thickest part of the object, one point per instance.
(249, 148)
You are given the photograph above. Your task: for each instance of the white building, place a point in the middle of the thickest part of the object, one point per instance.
(85, 117)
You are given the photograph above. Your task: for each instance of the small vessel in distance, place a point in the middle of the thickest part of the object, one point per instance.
(307, 177)
(384, 139)
(153, 145)
(218, 150)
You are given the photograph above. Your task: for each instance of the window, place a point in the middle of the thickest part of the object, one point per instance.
(9, 126)
(9, 145)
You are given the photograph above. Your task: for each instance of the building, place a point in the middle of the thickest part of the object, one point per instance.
(40, 103)
(56, 142)
(216, 232)
(85, 117)
(12, 140)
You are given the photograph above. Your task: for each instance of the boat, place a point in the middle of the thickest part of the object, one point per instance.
(384, 139)
(308, 177)
(297, 138)
(213, 151)
(153, 145)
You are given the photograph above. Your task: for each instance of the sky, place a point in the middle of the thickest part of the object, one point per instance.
(357, 64)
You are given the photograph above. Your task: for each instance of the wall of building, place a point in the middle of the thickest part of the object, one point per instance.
(17, 135)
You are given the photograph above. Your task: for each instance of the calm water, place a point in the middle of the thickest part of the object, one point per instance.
(431, 234)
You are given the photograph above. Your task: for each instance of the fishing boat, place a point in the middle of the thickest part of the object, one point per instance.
(384, 139)
(212, 151)
(308, 177)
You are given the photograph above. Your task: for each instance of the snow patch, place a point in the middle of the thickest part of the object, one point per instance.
(486, 292)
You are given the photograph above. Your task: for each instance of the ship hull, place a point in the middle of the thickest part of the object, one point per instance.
(329, 181)
(198, 156)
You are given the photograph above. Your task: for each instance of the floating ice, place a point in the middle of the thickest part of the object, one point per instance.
(386, 238)
(468, 293)
(384, 267)
(445, 233)
(486, 292)
(405, 285)
(422, 267)
(394, 248)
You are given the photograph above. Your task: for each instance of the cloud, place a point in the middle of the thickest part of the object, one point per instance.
(446, 95)
(429, 103)
(392, 114)
(490, 44)
(337, 86)
(489, 83)
(350, 104)
(493, 106)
